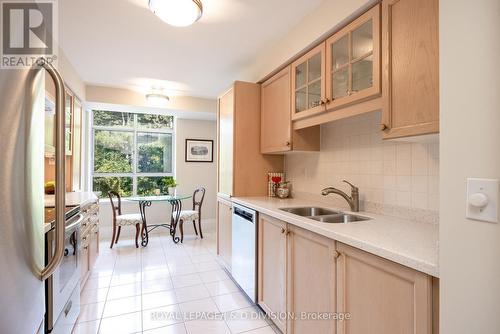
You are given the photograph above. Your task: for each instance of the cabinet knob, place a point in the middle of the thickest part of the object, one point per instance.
(283, 230)
(336, 254)
(383, 127)
(288, 143)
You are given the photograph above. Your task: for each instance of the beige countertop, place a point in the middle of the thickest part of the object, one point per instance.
(413, 244)
(80, 198)
(72, 198)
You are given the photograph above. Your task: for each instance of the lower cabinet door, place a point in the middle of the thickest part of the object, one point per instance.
(84, 261)
(311, 282)
(382, 297)
(224, 232)
(272, 269)
(93, 246)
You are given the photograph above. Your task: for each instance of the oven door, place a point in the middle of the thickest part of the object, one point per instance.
(61, 285)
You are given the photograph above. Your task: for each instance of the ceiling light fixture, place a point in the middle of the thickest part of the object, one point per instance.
(157, 97)
(179, 13)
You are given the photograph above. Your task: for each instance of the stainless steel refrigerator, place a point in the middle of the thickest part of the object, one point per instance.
(22, 267)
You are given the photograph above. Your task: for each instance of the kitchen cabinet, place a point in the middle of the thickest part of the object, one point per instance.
(76, 163)
(410, 56)
(306, 274)
(341, 77)
(277, 134)
(311, 281)
(242, 168)
(68, 128)
(89, 233)
(308, 83)
(94, 244)
(224, 232)
(353, 61)
(381, 296)
(272, 249)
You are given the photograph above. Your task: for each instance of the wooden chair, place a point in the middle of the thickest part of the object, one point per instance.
(120, 220)
(193, 215)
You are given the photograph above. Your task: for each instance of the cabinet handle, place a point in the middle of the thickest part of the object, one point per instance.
(336, 254)
(283, 230)
(84, 238)
(383, 127)
(86, 247)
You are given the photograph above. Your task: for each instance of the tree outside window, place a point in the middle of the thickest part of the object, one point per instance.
(133, 153)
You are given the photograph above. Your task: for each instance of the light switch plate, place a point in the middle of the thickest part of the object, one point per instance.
(488, 187)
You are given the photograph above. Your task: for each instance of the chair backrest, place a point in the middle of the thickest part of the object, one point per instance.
(196, 195)
(115, 207)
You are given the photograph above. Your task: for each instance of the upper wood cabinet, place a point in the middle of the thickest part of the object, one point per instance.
(68, 130)
(242, 168)
(225, 130)
(410, 44)
(340, 77)
(277, 135)
(308, 83)
(353, 61)
(77, 145)
(272, 249)
(381, 296)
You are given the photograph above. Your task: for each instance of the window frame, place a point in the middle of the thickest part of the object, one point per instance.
(134, 130)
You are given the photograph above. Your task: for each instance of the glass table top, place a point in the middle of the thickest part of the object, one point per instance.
(160, 198)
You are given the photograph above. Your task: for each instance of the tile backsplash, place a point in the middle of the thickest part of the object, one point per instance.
(388, 173)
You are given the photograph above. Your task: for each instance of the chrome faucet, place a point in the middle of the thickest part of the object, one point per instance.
(353, 200)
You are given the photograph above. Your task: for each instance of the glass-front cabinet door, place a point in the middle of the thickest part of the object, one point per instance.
(353, 61)
(68, 129)
(308, 83)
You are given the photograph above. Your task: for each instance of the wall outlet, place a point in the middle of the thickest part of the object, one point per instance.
(482, 199)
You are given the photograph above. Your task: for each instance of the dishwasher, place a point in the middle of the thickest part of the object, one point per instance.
(244, 250)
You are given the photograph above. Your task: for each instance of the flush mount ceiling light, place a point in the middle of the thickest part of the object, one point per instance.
(179, 13)
(157, 97)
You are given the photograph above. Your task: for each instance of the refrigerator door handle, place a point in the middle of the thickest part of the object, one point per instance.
(60, 157)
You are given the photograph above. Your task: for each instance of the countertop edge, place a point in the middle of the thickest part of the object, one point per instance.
(411, 262)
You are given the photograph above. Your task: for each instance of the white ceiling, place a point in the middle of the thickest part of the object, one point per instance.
(121, 43)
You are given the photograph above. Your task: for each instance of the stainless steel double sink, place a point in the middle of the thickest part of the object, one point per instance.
(324, 215)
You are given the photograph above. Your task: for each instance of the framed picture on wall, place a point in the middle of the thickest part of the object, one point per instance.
(199, 150)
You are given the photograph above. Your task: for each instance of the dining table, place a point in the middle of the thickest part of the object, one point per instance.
(175, 202)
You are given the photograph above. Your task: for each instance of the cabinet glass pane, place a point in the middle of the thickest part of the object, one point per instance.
(362, 40)
(300, 75)
(340, 52)
(314, 69)
(362, 74)
(340, 82)
(301, 100)
(68, 115)
(314, 94)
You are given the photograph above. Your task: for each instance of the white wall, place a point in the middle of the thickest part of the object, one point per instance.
(387, 172)
(470, 147)
(189, 176)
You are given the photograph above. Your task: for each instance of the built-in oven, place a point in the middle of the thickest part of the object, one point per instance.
(63, 287)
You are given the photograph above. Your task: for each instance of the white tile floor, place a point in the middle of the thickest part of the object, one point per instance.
(165, 288)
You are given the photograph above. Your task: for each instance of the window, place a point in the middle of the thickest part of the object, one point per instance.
(133, 153)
